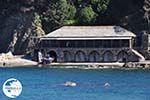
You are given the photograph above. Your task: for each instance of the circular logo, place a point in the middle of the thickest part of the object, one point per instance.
(12, 88)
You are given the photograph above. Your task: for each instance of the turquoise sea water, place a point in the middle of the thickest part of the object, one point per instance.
(46, 84)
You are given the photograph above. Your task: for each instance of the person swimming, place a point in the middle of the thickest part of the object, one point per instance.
(70, 83)
(106, 84)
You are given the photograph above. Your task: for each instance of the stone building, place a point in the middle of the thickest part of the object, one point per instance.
(89, 44)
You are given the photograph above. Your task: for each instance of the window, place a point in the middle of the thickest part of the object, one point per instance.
(125, 43)
(115, 43)
(106, 43)
(85, 43)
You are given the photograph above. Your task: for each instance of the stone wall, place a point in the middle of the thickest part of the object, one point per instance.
(92, 54)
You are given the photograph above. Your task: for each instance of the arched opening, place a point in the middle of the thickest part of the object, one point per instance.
(122, 56)
(53, 55)
(108, 56)
(94, 56)
(80, 56)
(67, 56)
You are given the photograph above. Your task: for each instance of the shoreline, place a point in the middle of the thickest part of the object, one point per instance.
(9, 60)
(76, 67)
(114, 65)
(20, 62)
(17, 62)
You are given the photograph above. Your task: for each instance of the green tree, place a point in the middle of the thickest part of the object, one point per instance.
(56, 15)
(100, 6)
(37, 25)
(71, 15)
(86, 15)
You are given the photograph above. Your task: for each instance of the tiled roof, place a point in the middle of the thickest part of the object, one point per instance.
(90, 32)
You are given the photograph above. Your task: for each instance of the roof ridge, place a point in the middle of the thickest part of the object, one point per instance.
(89, 26)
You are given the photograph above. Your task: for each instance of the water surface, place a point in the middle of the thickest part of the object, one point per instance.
(46, 84)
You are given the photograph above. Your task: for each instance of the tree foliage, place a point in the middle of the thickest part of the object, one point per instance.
(100, 6)
(86, 15)
(57, 14)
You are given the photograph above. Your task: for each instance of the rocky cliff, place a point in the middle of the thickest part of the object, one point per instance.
(17, 25)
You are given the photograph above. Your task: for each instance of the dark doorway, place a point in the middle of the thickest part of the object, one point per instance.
(108, 56)
(35, 55)
(122, 56)
(67, 56)
(53, 55)
(94, 56)
(80, 56)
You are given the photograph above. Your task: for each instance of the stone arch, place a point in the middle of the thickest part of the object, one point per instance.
(67, 56)
(80, 56)
(94, 56)
(122, 56)
(108, 56)
(53, 54)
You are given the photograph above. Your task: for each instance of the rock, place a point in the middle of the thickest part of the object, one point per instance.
(6, 56)
(18, 30)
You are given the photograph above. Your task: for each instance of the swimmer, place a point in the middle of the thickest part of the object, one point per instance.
(70, 83)
(106, 84)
